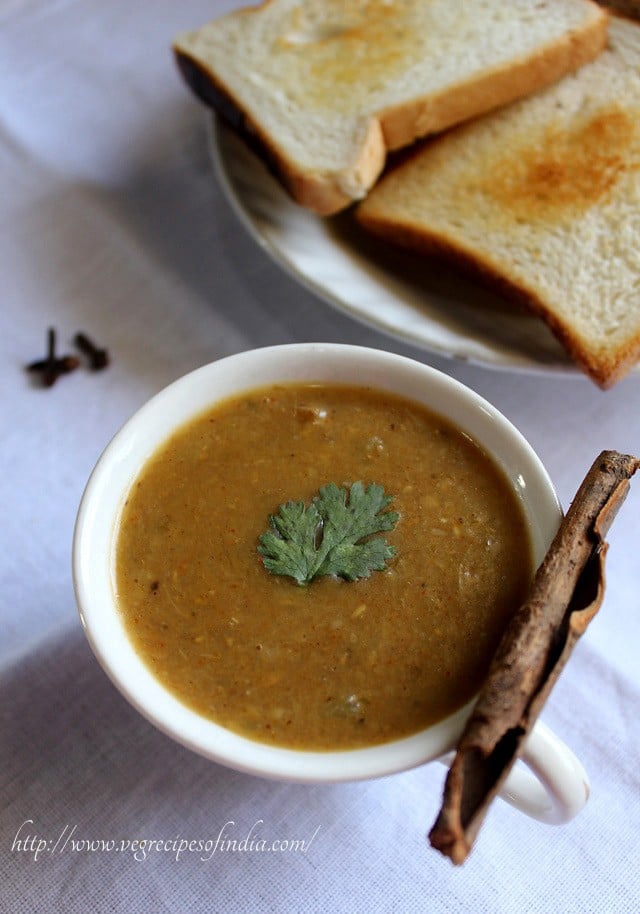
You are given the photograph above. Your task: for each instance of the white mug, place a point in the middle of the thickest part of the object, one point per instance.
(555, 787)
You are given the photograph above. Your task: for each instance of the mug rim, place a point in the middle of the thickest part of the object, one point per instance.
(96, 530)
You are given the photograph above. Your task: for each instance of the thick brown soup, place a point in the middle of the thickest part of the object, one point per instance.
(333, 664)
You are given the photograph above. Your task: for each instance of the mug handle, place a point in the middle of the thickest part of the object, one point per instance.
(551, 786)
(556, 786)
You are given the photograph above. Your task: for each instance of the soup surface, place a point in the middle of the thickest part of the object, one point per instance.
(334, 664)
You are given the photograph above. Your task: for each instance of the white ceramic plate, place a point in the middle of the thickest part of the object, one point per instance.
(413, 299)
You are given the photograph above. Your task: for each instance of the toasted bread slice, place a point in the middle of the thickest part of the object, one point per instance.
(323, 88)
(541, 199)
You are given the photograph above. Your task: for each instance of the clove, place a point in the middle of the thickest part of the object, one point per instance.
(98, 358)
(52, 367)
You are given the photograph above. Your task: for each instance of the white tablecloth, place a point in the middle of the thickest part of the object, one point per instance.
(112, 222)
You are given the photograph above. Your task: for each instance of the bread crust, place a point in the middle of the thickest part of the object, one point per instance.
(604, 371)
(422, 116)
(630, 8)
(323, 194)
(398, 126)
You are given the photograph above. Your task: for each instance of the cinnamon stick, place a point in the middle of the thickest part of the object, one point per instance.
(566, 593)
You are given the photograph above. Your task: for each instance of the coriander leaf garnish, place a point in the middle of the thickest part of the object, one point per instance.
(331, 535)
